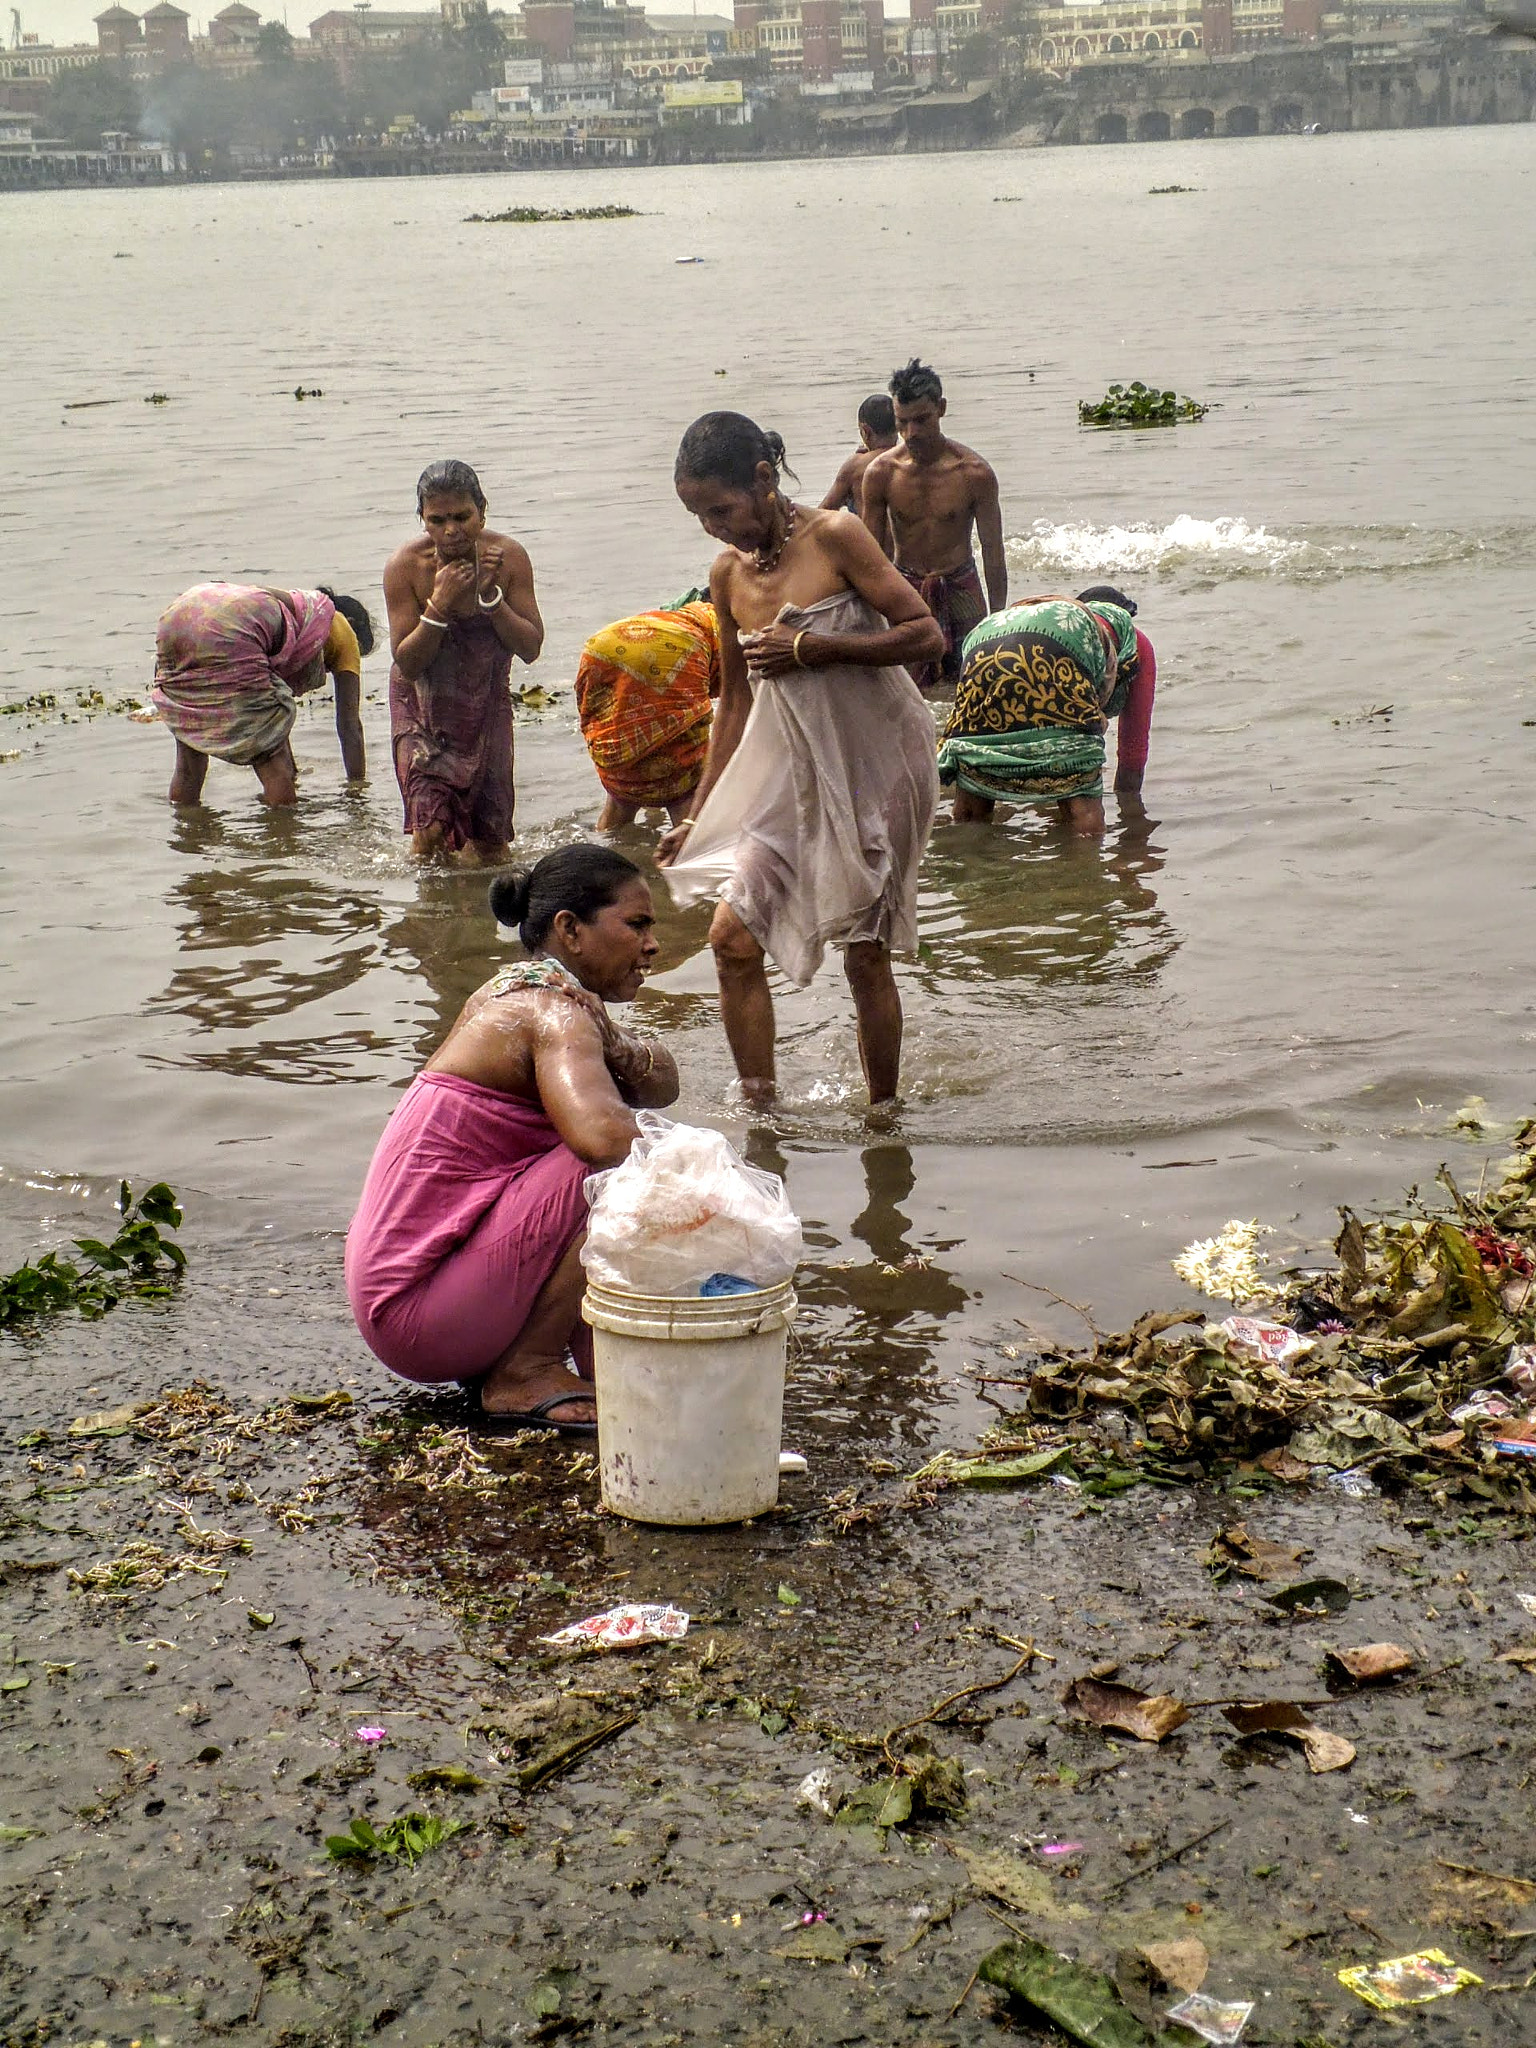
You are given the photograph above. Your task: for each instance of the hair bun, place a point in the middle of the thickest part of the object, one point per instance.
(509, 897)
(775, 446)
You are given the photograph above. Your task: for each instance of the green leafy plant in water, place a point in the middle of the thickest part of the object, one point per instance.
(407, 1838)
(529, 215)
(141, 1260)
(1138, 405)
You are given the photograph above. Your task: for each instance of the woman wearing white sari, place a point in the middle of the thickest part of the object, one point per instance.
(820, 783)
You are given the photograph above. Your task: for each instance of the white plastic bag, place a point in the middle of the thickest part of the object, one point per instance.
(683, 1206)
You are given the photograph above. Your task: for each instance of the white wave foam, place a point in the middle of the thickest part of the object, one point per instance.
(1185, 541)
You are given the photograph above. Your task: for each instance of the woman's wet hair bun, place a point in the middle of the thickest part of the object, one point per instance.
(509, 897)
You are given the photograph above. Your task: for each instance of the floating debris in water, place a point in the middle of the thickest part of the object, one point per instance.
(523, 216)
(1138, 405)
(1227, 1266)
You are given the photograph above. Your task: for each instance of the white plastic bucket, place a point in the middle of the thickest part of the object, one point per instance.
(690, 1401)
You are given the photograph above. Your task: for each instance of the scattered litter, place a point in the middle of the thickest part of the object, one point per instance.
(1485, 1405)
(1270, 1343)
(823, 1790)
(1084, 2004)
(1355, 1483)
(1213, 2019)
(1520, 1370)
(370, 1735)
(1373, 1662)
(1407, 1980)
(1514, 1447)
(1060, 1848)
(1148, 1716)
(792, 1465)
(1527, 1601)
(1323, 1751)
(622, 1628)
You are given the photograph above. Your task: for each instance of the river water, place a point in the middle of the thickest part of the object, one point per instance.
(1267, 998)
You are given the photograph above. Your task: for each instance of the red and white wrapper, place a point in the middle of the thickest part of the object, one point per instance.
(1272, 1343)
(621, 1628)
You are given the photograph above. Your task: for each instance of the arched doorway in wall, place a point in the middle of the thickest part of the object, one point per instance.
(1189, 40)
(1154, 126)
(1152, 42)
(1287, 117)
(1241, 121)
(1111, 128)
(1118, 46)
(1196, 123)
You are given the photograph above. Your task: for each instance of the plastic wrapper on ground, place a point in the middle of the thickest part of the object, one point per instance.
(623, 1628)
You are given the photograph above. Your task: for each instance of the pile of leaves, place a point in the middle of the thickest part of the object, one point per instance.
(523, 215)
(141, 1260)
(1138, 405)
(1416, 1371)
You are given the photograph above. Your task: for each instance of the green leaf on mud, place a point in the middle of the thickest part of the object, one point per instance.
(14, 1684)
(1006, 1471)
(788, 1597)
(896, 1807)
(445, 1778)
(544, 2001)
(259, 1620)
(10, 1834)
(1082, 2003)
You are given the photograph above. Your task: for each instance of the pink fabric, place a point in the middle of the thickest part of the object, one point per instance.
(471, 1202)
(1135, 738)
(230, 659)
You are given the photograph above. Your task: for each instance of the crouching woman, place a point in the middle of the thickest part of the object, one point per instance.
(463, 1261)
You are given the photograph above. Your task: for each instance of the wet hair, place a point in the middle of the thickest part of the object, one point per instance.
(915, 382)
(726, 447)
(356, 615)
(1106, 593)
(582, 879)
(878, 414)
(448, 479)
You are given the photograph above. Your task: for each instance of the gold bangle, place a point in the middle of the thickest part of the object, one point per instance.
(795, 649)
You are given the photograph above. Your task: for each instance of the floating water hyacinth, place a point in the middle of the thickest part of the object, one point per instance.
(1227, 1266)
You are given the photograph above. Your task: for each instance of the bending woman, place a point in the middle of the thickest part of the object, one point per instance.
(1039, 683)
(230, 659)
(819, 787)
(645, 691)
(463, 1259)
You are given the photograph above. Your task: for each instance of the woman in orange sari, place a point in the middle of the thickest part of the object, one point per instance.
(644, 693)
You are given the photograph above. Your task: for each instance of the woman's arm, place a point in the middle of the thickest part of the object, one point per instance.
(731, 711)
(349, 725)
(1134, 739)
(912, 635)
(505, 567)
(645, 1071)
(578, 1093)
(417, 630)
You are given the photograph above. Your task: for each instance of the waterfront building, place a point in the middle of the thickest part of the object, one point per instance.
(167, 38)
(235, 29)
(821, 42)
(370, 28)
(36, 65)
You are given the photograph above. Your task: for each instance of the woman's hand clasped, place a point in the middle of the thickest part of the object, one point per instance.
(771, 650)
(454, 582)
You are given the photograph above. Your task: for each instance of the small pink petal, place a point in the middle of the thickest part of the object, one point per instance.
(370, 1734)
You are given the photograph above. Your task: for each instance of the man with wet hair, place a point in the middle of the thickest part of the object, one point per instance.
(922, 501)
(877, 432)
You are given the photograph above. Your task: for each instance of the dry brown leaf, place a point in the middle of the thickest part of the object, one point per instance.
(1255, 1556)
(1323, 1751)
(1280, 1464)
(1524, 1654)
(1372, 1662)
(1148, 1716)
(1181, 1964)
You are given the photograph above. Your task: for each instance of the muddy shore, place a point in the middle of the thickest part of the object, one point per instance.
(185, 1742)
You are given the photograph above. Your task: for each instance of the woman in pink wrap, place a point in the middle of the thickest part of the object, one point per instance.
(230, 660)
(463, 1261)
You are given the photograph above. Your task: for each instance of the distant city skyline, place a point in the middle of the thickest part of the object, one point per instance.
(74, 21)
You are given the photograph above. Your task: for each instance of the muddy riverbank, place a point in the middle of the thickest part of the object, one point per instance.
(229, 1547)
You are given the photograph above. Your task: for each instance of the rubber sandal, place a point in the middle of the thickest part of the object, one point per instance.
(539, 1417)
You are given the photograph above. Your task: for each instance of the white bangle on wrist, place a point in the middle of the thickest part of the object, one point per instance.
(490, 604)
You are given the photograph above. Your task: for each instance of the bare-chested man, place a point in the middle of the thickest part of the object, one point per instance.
(921, 501)
(877, 432)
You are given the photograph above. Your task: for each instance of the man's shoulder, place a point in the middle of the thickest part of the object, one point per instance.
(968, 460)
